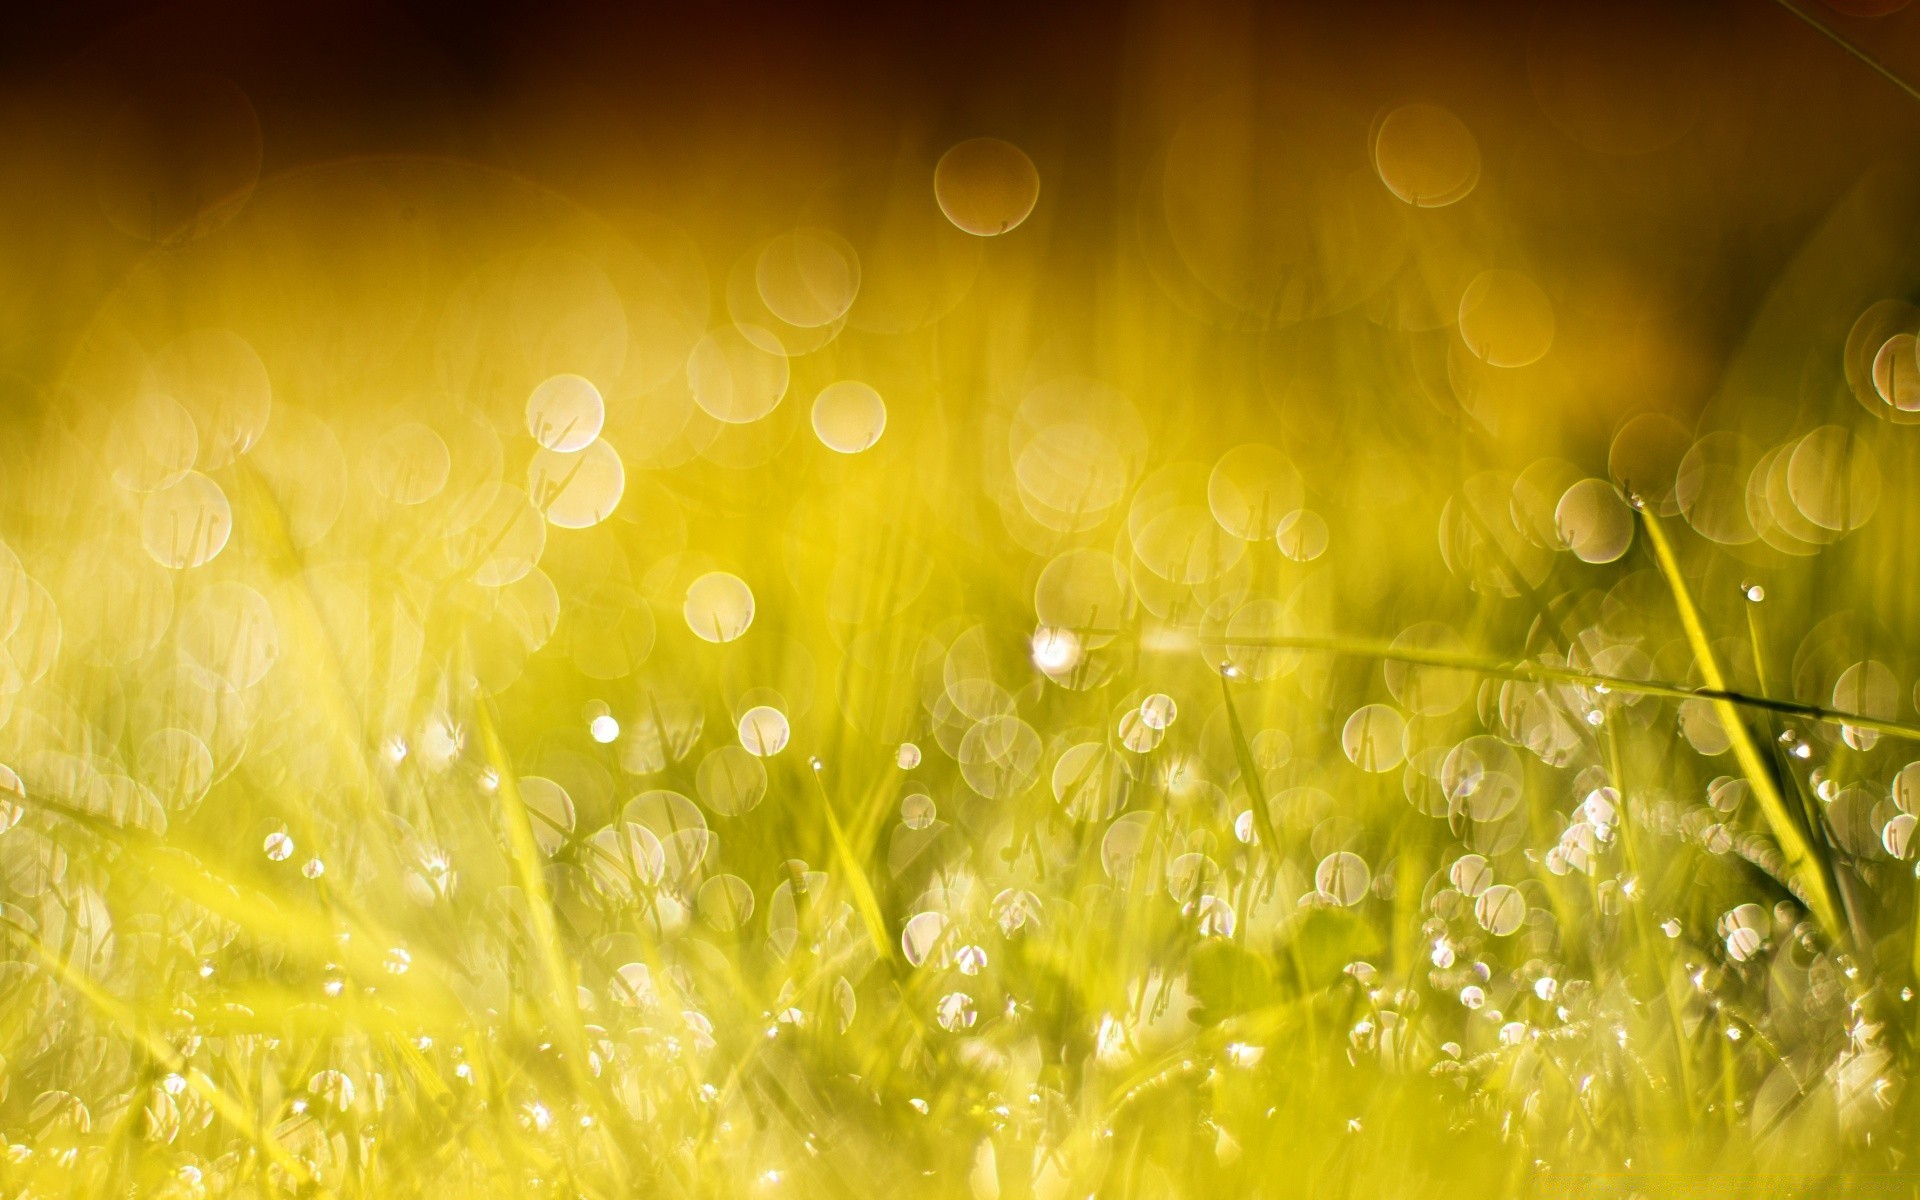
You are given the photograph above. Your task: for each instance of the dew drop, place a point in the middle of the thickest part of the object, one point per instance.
(764, 731)
(565, 413)
(719, 607)
(986, 186)
(849, 416)
(917, 810)
(1158, 711)
(1055, 651)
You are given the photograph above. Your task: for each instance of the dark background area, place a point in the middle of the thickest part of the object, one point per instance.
(701, 109)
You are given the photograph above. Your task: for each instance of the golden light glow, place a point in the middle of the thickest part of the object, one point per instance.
(1199, 600)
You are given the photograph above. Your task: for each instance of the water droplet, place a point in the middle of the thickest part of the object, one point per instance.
(1593, 522)
(1055, 651)
(1505, 319)
(1343, 877)
(921, 935)
(731, 780)
(849, 416)
(187, 524)
(1159, 711)
(565, 413)
(986, 186)
(719, 607)
(1374, 738)
(577, 490)
(1897, 835)
(764, 731)
(1012, 909)
(1500, 909)
(1471, 874)
(955, 1012)
(1426, 156)
(917, 810)
(1302, 535)
(1136, 734)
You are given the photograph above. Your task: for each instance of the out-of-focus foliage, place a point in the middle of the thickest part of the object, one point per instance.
(965, 681)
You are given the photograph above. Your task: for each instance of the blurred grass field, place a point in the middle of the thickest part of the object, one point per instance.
(1346, 640)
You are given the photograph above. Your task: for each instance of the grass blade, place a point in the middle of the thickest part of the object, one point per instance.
(1249, 769)
(218, 1098)
(1803, 862)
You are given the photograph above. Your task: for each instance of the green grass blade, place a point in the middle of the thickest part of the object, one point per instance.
(1803, 862)
(1538, 672)
(864, 899)
(1249, 769)
(218, 1098)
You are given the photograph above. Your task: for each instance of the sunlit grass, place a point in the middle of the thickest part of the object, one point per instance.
(501, 700)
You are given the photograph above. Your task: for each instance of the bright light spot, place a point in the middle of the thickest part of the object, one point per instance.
(764, 730)
(1055, 651)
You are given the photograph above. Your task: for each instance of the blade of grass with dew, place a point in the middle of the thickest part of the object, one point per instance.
(346, 725)
(218, 1098)
(864, 900)
(524, 854)
(1809, 807)
(301, 933)
(1537, 672)
(1802, 861)
(1256, 793)
(1756, 640)
(182, 870)
(1249, 768)
(1643, 920)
